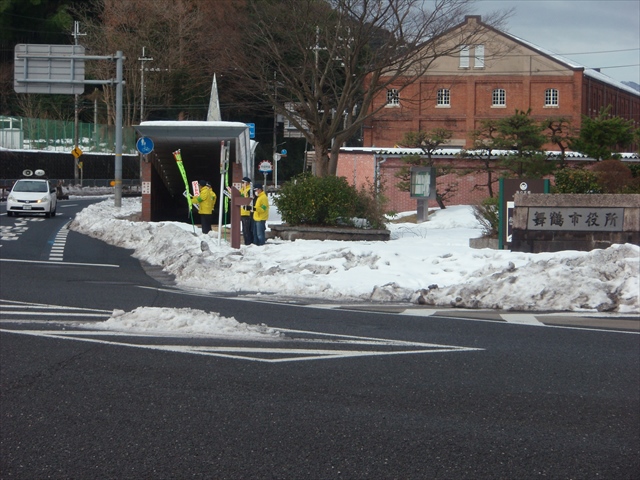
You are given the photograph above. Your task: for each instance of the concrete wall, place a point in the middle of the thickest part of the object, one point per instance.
(551, 223)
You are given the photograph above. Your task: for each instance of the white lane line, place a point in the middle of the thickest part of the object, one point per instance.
(48, 262)
(54, 314)
(45, 306)
(521, 319)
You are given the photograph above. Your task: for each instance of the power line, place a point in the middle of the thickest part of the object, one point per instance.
(603, 51)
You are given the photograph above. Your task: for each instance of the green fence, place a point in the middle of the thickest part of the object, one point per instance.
(58, 135)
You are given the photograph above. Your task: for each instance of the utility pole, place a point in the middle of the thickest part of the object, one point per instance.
(142, 59)
(76, 33)
(275, 126)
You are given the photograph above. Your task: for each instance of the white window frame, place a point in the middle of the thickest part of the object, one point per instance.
(393, 97)
(479, 56)
(551, 97)
(443, 98)
(464, 56)
(499, 98)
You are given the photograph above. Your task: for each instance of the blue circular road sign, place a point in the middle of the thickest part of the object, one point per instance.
(144, 145)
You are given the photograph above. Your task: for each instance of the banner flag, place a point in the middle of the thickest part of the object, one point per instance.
(178, 156)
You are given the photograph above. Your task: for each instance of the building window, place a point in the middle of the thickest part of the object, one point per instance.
(464, 57)
(393, 97)
(479, 56)
(444, 98)
(499, 97)
(551, 97)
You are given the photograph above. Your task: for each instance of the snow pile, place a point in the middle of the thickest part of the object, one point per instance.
(185, 321)
(429, 263)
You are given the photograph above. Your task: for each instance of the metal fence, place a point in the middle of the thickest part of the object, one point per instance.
(58, 135)
(89, 187)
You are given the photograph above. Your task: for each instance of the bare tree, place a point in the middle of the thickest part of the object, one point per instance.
(428, 142)
(560, 133)
(331, 58)
(183, 38)
(482, 149)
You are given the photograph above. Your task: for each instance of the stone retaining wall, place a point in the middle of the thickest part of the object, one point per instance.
(286, 232)
(551, 223)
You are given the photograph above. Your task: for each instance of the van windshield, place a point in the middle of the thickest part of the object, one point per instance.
(30, 186)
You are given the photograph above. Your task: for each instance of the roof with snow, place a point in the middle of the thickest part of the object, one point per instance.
(453, 152)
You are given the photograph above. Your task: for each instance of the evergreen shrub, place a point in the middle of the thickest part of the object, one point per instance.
(326, 201)
(576, 180)
(488, 214)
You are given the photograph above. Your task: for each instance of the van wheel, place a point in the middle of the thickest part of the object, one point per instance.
(9, 214)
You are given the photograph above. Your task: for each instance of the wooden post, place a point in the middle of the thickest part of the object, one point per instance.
(237, 201)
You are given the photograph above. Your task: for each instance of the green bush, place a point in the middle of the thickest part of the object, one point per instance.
(326, 201)
(488, 214)
(576, 180)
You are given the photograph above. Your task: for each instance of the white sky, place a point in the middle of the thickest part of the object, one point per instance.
(418, 256)
(594, 33)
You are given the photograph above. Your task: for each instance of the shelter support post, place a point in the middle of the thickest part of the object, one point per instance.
(237, 202)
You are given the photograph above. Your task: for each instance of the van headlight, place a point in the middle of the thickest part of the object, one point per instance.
(11, 198)
(44, 199)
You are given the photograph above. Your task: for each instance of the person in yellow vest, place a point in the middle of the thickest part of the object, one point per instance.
(260, 215)
(246, 212)
(207, 200)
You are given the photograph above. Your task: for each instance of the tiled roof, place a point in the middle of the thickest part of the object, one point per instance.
(452, 152)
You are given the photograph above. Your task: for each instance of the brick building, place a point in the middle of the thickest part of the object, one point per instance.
(490, 80)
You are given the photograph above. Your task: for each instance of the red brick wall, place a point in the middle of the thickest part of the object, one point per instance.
(467, 181)
(360, 169)
(471, 102)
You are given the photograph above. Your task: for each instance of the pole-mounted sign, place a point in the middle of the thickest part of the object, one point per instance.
(60, 69)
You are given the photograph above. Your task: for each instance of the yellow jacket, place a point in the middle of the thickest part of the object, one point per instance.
(206, 199)
(261, 208)
(245, 191)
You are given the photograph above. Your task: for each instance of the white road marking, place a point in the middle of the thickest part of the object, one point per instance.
(57, 250)
(261, 354)
(522, 319)
(27, 305)
(15, 312)
(419, 312)
(47, 262)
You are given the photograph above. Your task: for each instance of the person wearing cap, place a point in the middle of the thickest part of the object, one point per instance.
(207, 200)
(260, 215)
(246, 212)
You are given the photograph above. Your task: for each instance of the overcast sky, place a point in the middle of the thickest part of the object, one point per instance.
(593, 33)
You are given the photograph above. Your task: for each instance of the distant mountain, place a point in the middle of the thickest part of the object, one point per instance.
(633, 85)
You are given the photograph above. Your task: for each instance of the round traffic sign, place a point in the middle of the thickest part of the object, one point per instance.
(265, 166)
(144, 145)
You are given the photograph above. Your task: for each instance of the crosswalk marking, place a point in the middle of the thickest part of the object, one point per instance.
(57, 250)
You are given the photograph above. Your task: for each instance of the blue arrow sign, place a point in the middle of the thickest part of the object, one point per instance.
(252, 130)
(144, 145)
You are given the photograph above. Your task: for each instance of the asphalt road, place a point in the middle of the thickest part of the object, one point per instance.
(344, 393)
